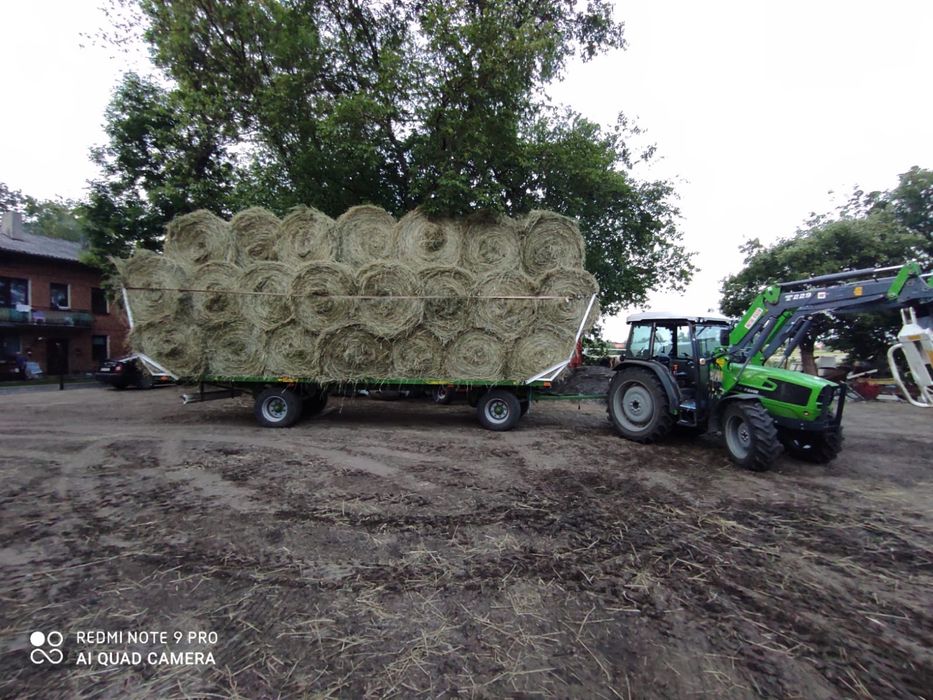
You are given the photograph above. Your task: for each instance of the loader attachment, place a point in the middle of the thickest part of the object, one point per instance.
(916, 346)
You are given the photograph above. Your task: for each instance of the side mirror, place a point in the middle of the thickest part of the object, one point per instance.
(724, 337)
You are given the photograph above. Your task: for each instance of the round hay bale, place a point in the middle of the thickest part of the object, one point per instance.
(539, 350)
(236, 350)
(507, 318)
(475, 354)
(160, 279)
(291, 350)
(425, 241)
(210, 307)
(577, 286)
(306, 234)
(389, 317)
(255, 232)
(173, 342)
(364, 234)
(491, 243)
(198, 238)
(351, 352)
(551, 241)
(418, 355)
(312, 293)
(264, 297)
(447, 304)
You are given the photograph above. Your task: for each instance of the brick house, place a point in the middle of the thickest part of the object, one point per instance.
(52, 306)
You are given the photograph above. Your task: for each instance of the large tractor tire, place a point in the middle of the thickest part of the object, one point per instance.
(638, 405)
(277, 407)
(750, 434)
(807, 446)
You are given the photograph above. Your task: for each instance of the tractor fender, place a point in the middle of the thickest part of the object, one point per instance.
(715, 419)
(666, 378)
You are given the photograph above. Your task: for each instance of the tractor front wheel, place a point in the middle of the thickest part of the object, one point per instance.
(808, 446)
(751, 436)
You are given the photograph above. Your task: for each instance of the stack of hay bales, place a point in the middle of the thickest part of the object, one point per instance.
(487, 298)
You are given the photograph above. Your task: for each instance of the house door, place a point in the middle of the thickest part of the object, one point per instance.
(57, 356)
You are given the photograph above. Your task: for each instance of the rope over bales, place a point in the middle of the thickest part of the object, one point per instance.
(507, 318)
(360, 298)
(155, 278)
(391, 317)
(318, 294)
(265, 303)
(447, 306)
(213, 304)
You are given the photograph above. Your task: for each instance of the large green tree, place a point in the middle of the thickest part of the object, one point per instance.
(875, 230)
(162, 159)
(401, 103)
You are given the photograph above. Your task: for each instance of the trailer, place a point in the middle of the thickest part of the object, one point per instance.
(279, 401)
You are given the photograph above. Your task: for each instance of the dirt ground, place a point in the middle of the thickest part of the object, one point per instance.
(397, 549)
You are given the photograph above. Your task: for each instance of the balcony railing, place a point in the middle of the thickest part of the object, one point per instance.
(46, 317)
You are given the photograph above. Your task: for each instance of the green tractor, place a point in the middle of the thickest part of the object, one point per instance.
(706, 374)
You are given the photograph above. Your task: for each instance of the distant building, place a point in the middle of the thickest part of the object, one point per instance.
(53, 309)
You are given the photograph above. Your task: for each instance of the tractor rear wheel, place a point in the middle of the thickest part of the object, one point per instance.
(818, 448)
(751, 436)
(638, 405)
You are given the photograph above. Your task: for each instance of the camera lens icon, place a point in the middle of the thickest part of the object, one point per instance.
(39, 640)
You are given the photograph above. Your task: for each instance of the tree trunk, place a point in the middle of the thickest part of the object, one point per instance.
(806, 356)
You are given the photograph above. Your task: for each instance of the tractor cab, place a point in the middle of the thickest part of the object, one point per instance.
(683, 345)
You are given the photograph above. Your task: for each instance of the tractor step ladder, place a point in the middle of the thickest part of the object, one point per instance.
(916, 345)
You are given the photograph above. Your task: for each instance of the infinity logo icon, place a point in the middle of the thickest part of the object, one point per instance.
(39, 655)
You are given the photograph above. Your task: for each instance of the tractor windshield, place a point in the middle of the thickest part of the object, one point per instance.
(707, 337)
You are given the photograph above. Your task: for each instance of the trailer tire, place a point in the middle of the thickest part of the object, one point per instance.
(750, 434)
(277, 407)
(314, 403)
(498, 410)
(818, 448)
(442, 395)
(638, 405)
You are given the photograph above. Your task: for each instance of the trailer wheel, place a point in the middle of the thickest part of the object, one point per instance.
(277, 407)
(638, 406)
(751, 437)
(499, 410)
(442, 395)
(314, 403)
(818, 448)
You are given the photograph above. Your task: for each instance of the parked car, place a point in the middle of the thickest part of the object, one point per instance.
(129, 371)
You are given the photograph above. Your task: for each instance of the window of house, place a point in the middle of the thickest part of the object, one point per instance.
(98, 301)
(13, 291)
(58, 296)
(99, 348)
(9, 346)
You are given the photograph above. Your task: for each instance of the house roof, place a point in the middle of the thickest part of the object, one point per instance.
(42, 246)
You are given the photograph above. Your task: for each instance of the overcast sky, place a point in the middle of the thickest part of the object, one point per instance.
(758, 110)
